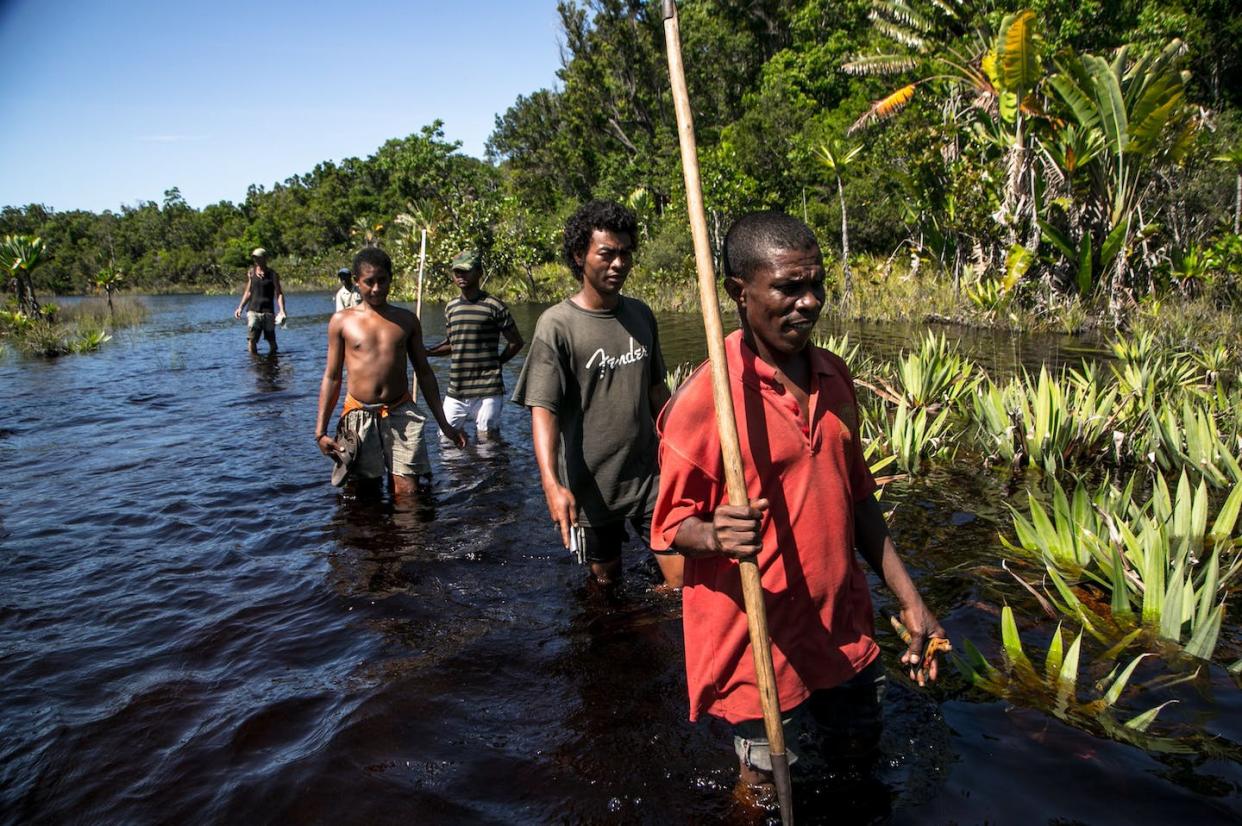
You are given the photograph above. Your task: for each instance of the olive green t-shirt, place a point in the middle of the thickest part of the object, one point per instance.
(594, 369)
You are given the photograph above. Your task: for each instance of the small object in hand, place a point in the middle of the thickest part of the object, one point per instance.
(345, 457)
(281, 318)
(577, 543)
(934, 646)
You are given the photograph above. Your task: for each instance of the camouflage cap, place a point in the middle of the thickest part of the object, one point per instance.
(465, 260)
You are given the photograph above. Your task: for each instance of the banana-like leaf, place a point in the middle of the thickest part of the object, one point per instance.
(1016, 57)
(1075, 97)
(1113, 244)
(885, 107)
(1086, 275)
(1017, 262)
(1059, 239)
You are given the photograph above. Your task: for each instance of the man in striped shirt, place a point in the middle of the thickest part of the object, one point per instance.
(474, 323)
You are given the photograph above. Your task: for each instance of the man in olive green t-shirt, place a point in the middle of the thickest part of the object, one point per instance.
(594, 382)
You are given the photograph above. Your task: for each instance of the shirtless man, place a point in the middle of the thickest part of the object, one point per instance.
(373, 341)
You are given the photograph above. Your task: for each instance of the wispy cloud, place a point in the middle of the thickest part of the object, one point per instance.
(170, 138)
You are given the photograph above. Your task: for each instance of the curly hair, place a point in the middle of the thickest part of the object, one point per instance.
(374, 256)
(593, 215)
(752, 237)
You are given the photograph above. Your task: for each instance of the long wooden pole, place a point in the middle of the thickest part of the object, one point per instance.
(726, 423)
(418, 299)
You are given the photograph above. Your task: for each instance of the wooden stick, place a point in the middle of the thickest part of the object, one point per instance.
(418, 301)
(726, 423)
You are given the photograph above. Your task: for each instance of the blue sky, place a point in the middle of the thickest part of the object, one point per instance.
(112, 103)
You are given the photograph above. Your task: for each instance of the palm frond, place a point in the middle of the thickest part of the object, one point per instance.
(894, 31)
(885, 107)
(880, 65)
(902, 13)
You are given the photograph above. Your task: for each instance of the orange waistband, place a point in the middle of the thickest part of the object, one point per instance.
(352, 404)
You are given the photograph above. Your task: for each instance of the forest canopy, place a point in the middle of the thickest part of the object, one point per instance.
(953, 129)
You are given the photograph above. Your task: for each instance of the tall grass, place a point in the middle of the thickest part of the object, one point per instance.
(80, 328)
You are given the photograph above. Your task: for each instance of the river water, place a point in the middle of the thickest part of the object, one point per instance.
(196, 627)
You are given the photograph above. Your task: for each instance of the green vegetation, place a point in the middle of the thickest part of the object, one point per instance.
(1055, 688)
(42, 329)
(1055, 167)
(1150, 563)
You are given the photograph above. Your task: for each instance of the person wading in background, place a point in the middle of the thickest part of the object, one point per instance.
(263, 300)
(347, 296)
(473, 325)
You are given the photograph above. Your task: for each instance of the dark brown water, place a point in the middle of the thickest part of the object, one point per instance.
(195, 627)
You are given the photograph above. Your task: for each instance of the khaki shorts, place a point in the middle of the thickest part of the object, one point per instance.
(257, 323)
(387, 444)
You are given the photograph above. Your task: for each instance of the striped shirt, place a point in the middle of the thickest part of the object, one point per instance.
(474, 329)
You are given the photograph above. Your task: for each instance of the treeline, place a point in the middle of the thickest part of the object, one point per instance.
(960, 157)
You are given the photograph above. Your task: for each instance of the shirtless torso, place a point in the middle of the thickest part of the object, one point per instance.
(373, 341)
(376, 345)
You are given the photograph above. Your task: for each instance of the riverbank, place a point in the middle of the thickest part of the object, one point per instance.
(892, 290)
(884, 290)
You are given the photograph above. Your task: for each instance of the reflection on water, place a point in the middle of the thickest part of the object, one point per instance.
(269, 378)
(195, 626)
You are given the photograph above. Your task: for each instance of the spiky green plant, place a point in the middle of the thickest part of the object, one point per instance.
(90, 340)
(841, 346)
(997, 422)
(1158, 566)
(915, 436)
(676, 377)
(1055, 687)
(1190, 442)
(934, 376)
(1066, 420)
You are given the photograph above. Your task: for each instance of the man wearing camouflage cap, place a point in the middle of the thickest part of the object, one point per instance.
(473, 324)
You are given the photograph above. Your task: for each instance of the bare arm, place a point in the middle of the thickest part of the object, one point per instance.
(280, 294)
(428, 385)
(330, 387)
(875, 545)
(441, 349)
(514, 343)
(245, 297)
(545, 433)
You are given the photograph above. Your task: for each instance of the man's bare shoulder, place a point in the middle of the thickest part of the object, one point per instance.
(399, 315)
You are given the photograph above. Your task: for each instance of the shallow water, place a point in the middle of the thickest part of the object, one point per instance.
(195, 627)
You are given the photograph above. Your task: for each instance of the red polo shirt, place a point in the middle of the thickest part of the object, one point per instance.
(818, 603)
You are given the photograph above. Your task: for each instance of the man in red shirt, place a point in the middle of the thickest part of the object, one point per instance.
(811, 505)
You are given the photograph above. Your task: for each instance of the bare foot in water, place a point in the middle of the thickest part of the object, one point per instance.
(756, 798)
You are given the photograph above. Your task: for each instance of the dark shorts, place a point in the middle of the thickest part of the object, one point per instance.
(834, 725)
(602, 543)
